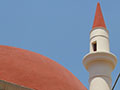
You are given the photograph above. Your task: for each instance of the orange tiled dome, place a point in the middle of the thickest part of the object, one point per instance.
(35, 71)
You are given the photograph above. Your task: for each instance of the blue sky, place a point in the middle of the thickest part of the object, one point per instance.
(58, 29)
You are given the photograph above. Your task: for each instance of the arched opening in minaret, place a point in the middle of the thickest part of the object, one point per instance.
(94, 45)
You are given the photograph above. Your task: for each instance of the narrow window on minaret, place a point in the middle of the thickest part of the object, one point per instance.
(94, 45)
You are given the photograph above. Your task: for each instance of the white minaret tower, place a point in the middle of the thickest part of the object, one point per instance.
(99, 62)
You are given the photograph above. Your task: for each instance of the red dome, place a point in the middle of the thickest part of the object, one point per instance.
(35, 71)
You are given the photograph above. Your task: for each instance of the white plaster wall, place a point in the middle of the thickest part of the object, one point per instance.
(100, 75)
(100, 66)
(101, 37)
(4, 85)
(100, 63)
(99, 83)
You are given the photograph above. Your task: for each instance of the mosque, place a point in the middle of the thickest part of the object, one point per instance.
(25, 70)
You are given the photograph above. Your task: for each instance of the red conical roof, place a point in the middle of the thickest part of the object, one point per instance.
(98, 20)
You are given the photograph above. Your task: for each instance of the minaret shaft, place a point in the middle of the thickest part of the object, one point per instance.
(100, 76)
(100, 37)
(99, 62)
(100, 65)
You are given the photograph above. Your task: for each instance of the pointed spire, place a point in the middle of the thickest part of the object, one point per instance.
(98, 20)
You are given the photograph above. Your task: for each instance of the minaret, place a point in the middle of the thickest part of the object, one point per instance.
(99, 62)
